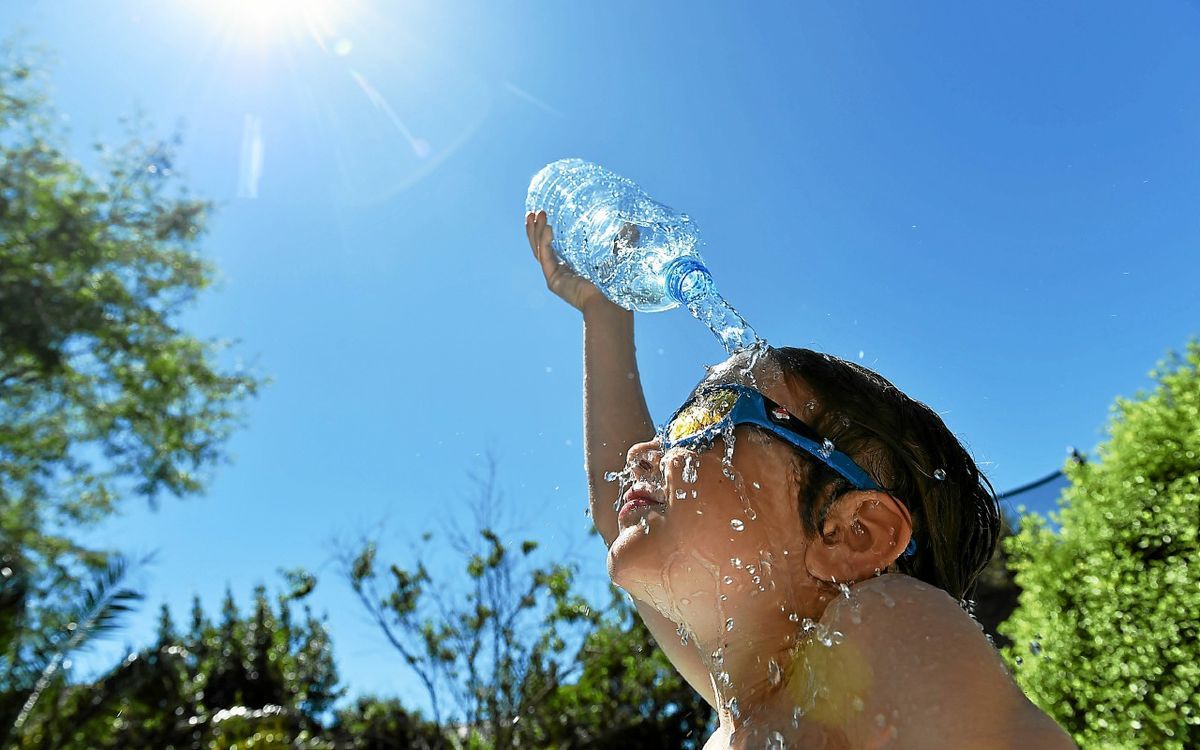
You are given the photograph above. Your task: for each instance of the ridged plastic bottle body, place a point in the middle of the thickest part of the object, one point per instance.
(608, 230)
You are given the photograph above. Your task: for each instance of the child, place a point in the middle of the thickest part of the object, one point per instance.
(797, 541)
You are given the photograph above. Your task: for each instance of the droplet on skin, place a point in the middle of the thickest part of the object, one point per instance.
(680, 494)
(727, 580)
(736, 562)
(729, 624)
(774, 673)
(736, 525)
(690, 467)
(756, 485)
(939, 475)
(645, 524)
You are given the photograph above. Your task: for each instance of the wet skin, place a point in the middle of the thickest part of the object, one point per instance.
(763, 611)
(898, 664)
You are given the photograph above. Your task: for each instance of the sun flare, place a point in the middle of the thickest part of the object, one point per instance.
(261, 22)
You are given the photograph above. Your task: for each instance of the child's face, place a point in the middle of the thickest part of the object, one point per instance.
(714, 529)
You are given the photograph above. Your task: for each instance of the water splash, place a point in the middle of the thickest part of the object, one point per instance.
(691, 466)
(774, 673)
(710, 308)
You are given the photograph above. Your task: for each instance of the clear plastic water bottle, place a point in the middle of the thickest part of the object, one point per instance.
(641, 254)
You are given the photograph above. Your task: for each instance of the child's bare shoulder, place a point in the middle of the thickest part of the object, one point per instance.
(931, 665)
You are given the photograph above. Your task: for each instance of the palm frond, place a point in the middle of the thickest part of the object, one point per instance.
(100, 610)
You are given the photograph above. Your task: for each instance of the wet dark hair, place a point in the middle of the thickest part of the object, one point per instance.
(908, 450)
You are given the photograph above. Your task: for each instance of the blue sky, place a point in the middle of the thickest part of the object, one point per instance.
(994, 206)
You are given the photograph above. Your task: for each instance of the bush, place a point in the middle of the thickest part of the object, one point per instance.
(1105, 636)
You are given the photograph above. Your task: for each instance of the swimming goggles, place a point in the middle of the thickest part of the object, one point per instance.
(714, 411)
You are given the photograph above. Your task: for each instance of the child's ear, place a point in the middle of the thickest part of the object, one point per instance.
(864, 532)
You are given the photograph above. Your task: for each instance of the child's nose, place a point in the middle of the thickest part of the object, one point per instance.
(643, 458)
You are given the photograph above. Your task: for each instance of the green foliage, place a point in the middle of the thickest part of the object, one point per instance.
(627, 694)
(495, 651)
(1109, 619)
(101, 394)
(258, 680)
(383, 724)
(488, 651)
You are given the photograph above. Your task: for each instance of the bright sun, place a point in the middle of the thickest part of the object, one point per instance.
(259, 22)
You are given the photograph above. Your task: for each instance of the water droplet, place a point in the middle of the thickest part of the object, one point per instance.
(729, 624)
(727, 580)
(1019, 661)
(826, 449)
(733, 708)
(777, 742)
(645, 524)
(939, 475)
(810, 405)
(756, 485)
(680, 494)
(794, 617)
(1035, 648)
(690, 466)
(736, 524)
(774, 673)
(736, 562)
(682, 632)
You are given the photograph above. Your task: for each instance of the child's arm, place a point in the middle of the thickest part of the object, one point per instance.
(615, 417)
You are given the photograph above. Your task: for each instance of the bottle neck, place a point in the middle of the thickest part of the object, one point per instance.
(687, 279)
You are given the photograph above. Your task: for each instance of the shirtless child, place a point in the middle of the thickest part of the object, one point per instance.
(812, 530)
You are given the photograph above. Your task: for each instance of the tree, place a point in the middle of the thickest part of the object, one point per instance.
(1109, 617)
(487, 653)
(627, 693)
(260, 679)
(102, 395)
(496, 656)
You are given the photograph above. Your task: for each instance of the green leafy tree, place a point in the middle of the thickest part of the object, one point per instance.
(627, 694)
(1105, 636)
(102, 395)
(383, 724)
(517, 658)
(259, 680)
(486, 652)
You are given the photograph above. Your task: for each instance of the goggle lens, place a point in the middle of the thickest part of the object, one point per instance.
(706, 411)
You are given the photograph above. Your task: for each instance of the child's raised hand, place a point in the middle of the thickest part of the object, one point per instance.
(560, 279)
